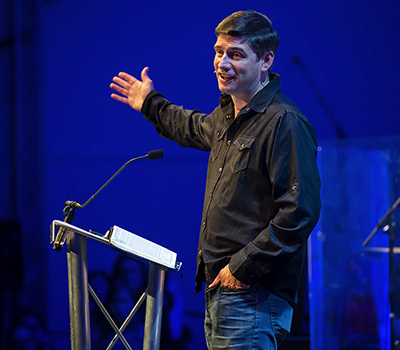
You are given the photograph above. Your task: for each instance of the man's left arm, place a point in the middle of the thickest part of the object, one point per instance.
(293, 172)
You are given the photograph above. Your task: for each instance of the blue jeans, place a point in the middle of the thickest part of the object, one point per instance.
(243, 319)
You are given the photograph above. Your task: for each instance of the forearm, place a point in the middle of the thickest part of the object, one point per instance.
(186, 127)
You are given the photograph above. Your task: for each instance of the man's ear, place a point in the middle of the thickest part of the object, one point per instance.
(267, 59)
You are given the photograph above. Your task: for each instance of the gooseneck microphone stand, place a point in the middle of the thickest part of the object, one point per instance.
(70, 206)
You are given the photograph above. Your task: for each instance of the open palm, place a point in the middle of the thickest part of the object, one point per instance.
(132, 91)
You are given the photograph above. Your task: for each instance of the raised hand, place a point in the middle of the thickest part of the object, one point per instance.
(132, 91)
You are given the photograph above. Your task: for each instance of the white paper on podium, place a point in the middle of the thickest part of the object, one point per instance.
(142, 247)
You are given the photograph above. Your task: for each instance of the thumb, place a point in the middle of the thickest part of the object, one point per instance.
(145, 75)
(215, 283)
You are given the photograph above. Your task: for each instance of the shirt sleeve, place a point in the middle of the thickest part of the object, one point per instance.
(188, 128)
(293, 172)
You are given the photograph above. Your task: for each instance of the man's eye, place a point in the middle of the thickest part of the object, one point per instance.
(237, 56)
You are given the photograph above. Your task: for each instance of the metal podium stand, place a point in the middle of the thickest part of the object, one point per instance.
(123, 241)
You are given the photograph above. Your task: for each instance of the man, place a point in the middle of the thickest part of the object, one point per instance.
(262, 193)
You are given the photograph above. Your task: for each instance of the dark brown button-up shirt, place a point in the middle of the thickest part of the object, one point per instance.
(262, 195)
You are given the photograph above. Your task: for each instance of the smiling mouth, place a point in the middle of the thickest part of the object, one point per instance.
(226, 77)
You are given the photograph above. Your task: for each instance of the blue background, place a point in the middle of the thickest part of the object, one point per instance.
(62, 136)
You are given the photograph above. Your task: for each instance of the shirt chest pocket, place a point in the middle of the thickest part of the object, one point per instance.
(241, 153)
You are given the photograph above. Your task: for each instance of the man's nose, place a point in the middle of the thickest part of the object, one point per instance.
(224, 62)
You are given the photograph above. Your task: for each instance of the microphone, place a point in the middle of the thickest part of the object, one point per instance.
(156, 154)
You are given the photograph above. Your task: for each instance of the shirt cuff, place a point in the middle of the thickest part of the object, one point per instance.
(238, 268)
(146, 107)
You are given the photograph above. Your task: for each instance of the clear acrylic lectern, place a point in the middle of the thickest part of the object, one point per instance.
(125, 242)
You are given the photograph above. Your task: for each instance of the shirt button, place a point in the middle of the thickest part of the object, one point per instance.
(228, 116)
(220, 169)
(247, 109)
(229, 142)
(200, 252)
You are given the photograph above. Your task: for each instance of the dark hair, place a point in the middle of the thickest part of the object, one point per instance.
(255, 28)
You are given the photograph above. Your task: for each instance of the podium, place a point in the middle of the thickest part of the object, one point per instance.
(159, 258)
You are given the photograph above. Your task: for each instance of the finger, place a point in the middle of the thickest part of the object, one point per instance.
(127, 77)
(125, 84)
(119, 89)
(120, 98)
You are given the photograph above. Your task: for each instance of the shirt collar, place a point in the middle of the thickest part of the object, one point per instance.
(262, 99)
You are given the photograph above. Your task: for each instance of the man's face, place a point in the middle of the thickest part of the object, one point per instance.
(239, 72)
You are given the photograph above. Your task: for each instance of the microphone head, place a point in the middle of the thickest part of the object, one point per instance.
(156, 154)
